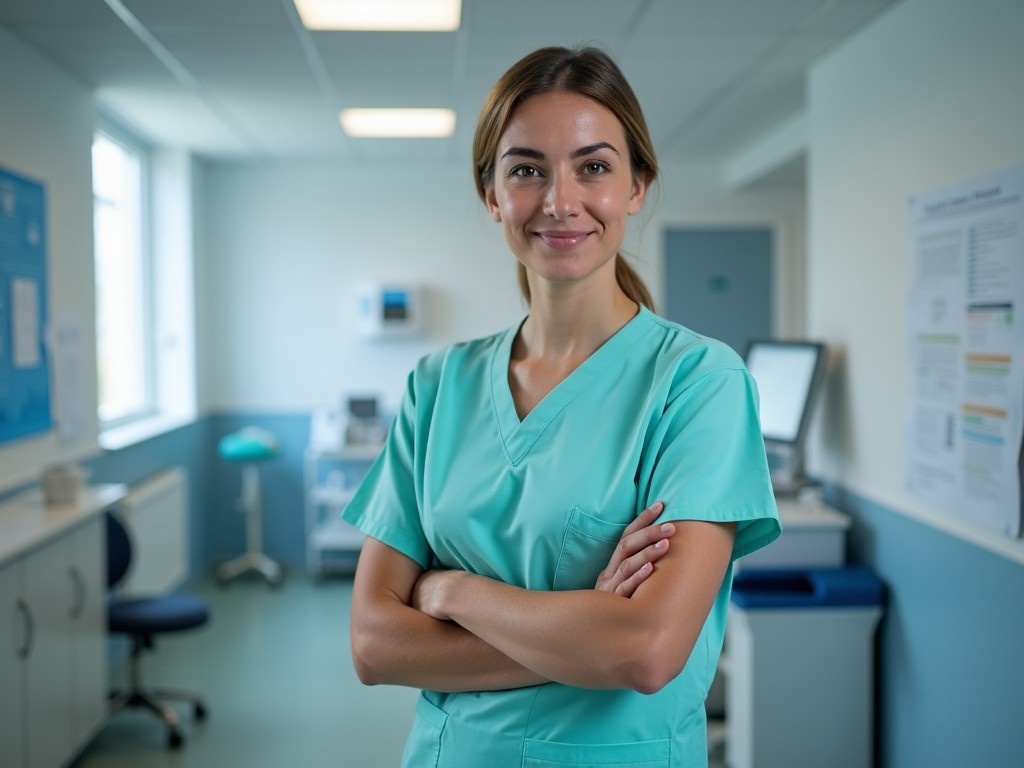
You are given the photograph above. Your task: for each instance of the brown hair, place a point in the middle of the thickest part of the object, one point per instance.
(589, 72)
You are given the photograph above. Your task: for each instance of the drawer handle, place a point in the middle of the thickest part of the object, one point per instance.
(79, 587)
(29, 632)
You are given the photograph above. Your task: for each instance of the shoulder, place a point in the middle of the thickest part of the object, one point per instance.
(685, 358)
(457, 366)
(458, 356)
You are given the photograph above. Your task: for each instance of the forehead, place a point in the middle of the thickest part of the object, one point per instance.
(562, 118)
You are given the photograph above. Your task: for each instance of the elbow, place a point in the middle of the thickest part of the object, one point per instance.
(649, 672)
(367, 669)
(649, 678)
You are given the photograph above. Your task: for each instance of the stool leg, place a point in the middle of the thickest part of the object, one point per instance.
(254, 559)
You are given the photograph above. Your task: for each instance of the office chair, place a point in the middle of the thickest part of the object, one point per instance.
(141, 618)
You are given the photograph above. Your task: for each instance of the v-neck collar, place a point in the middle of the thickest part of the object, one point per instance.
(519, 435)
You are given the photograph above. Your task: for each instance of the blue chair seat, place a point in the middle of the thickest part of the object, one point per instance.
(147, 615)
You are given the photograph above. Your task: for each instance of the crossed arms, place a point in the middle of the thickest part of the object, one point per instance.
(457, 631)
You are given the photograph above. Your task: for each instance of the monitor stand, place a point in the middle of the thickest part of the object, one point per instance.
(786, 467)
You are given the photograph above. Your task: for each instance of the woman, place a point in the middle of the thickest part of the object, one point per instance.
(527, 468)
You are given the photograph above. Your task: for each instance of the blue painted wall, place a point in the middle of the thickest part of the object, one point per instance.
(950, 644)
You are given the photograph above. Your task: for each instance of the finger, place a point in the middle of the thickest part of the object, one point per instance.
(648, 554)
(631, 571)
(635, 542)
(645, 518)
(629, 586)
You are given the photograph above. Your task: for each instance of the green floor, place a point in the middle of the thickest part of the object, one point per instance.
(274, 667)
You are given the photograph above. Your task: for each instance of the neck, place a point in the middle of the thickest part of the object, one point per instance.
(573, 321)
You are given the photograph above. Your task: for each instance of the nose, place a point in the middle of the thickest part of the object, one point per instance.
(562, 199)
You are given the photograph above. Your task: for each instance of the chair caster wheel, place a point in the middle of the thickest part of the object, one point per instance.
(200, 712)
(175, 739)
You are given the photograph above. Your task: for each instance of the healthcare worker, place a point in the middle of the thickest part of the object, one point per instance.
(553, 520)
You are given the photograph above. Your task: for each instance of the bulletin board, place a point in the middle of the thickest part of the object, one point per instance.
(966, 342)
(24, 374)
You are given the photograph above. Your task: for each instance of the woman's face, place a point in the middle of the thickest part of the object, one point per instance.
(563, 187)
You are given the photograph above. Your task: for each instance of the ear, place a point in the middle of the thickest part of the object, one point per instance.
(638, 194)
(491, 201)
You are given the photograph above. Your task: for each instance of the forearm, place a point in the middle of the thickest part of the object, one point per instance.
(402, 646)
(595, 639)
(587, 639)
(394, 643)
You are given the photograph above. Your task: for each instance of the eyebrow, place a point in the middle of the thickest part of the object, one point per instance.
(576, 153)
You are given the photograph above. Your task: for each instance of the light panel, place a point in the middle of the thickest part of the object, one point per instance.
(398, 123)
(381, 15)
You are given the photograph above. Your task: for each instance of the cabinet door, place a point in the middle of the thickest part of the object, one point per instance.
(89, 631)
(48, 681)
(15, 635)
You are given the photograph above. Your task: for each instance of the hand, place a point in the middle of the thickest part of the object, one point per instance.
(427, 593)
(633, 559)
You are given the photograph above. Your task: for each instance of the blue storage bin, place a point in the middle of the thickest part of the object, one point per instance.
(799, 688)
(755, 589)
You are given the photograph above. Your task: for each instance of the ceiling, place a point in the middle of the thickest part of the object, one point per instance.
(242, 79)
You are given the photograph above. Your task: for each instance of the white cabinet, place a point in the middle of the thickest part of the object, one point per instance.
(53, 659)
(16, 636)
(331, 477)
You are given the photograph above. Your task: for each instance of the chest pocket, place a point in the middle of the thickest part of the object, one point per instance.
(587, 545)
(643, 754)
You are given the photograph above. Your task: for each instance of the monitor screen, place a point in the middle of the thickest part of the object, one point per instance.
(787, 375)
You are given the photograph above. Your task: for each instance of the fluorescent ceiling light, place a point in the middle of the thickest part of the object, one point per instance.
(381, 15)
(398, 123)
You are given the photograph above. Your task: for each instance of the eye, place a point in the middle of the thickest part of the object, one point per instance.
(595, 168)
(524, 172)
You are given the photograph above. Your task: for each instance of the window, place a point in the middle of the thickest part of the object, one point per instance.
(124, 327)
(145, 297)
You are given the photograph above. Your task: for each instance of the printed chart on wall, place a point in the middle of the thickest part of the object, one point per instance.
(966, 339)
(24, 378)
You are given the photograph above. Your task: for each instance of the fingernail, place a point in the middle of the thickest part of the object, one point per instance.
(667, 528)
(660, 544)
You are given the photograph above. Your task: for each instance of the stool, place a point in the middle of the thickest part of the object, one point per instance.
(250, 446)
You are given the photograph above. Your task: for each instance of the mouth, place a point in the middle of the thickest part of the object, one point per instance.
(562, 240)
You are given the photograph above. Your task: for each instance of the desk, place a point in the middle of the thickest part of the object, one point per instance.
(813, 535)
(53, 675)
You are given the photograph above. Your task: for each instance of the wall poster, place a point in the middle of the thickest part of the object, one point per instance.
(966, 346)
(24, 377)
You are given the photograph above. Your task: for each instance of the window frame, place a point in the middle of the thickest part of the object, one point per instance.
(142, 151)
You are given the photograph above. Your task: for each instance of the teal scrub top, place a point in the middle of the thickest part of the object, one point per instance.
(658, 413)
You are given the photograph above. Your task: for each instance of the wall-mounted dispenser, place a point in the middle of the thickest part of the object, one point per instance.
(385, 310)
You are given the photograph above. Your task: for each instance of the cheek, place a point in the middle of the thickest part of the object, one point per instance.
(514, 207)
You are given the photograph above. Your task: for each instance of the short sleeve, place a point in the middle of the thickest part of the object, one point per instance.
(385, 505)
(707, 461)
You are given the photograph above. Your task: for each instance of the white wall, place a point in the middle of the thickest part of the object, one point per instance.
(927, 96)
(46, 134)
(285, 242)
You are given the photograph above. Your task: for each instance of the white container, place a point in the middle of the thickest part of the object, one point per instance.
(61, 485)
(799, 685)
(813, 536)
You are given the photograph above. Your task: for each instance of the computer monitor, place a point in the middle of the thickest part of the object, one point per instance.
(788, 375)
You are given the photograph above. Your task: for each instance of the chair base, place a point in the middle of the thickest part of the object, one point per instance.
(251, 562)
(153, 700)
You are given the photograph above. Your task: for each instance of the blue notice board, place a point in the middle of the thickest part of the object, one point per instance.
(24, 374)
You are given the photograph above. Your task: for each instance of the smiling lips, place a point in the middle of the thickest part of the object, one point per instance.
(562, 240)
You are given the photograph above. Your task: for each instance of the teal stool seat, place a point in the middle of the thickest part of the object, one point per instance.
(250, 446)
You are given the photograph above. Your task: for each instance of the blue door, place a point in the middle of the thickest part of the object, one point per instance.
(718, 282)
